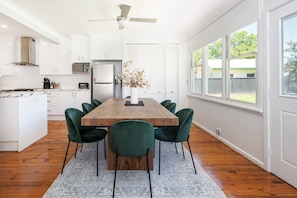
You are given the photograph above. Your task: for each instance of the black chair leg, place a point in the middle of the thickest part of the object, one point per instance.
(115, 174)
(192, 157)
(65, 156)
(175, 148)
(182, 149)
(81, 147)
(104, 148)
(148, 170)
(97, 159)
(159, 155)
(75, 150)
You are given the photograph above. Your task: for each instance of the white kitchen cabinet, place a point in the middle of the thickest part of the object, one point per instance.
(52, 102)
(106, 47)
(54, 59)
(47, 57)
(73, 99)
(171, 62)
(150, 58)
(160, 62)
(80, 48)
(23, 121)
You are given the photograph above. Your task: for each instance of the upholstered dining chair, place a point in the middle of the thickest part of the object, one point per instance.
(171, 107)
(81, 134)
(96, 102)
(177, 134)
(87, 107)
(165, 102)
(131, 138)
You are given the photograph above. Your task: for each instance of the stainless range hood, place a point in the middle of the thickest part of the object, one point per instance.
(26, 51)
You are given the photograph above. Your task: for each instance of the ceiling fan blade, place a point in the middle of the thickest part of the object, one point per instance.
(124, 10)
(146, 20)
(94, 20)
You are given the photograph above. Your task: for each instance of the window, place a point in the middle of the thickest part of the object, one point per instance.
(214, 69)
(242, 62)
(197, 71)
(227, 68)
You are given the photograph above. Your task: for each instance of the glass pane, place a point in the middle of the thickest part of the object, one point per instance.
(242, 87)
(214, 69)
(242, 64)
(197, 71)
(289, 48)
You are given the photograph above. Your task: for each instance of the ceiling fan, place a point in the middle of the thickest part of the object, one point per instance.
(123, 18)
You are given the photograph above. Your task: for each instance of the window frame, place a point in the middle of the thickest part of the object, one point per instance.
(257, 106)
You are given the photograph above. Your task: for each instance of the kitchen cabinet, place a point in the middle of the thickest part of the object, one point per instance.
(7, 47)
(54, 59)
(73, 99)
(23, 120)
(52, 102)
(171, 64)
(106, 47)
(80, 48)
(150, 58)
(160, 62)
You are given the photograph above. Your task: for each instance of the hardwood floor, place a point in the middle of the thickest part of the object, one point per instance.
(30, 172)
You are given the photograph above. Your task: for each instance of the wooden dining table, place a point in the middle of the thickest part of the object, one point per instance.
(118, 109)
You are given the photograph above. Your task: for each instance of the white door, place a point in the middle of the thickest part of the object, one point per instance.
(283, 92)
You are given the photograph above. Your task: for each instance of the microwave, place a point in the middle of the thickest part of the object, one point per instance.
(81, 68)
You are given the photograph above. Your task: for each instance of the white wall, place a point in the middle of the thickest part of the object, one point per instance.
(242, 129)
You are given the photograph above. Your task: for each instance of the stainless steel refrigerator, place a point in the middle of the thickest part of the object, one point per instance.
(103, 82)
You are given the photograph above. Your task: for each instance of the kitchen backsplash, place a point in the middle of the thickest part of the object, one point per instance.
(29, 77)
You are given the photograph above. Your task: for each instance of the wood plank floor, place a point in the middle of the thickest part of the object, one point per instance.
(30, 172)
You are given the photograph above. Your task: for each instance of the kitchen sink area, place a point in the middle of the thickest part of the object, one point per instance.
(23, 120)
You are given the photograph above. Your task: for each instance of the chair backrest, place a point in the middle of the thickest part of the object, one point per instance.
(185, 121)
(165, 103)
(87, 107)
(96, 102)
(131, 138)
(73, 121)
(171, 107)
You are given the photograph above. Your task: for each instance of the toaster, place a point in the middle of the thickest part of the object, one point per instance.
(83, 85)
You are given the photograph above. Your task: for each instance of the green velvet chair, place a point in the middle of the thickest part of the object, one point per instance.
(177, 134)
(165, 102)
(131, 138)
(171, 107)
(87, 107)
(96, 102)
(80, 134)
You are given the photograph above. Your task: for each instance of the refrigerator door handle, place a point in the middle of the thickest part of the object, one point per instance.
(103, 83)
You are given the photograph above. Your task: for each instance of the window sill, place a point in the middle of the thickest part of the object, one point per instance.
(231, 103)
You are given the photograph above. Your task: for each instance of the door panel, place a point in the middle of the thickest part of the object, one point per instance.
(283, 93)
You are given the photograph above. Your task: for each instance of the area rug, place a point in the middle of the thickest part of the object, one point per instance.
(177, 177)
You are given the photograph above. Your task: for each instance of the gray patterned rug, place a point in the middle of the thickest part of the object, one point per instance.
(177, 177)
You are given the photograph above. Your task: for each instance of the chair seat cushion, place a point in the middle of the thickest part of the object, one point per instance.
(167, 134)
(93, 135)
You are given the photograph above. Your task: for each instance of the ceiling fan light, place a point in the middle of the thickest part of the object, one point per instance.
(122, 21)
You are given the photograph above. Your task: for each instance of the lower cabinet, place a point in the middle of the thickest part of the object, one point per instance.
(59, 100)
(73, 99)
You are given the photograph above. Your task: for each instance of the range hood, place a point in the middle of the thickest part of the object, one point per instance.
(26, 51)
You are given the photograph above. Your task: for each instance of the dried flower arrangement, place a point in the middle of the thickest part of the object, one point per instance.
(136, 78)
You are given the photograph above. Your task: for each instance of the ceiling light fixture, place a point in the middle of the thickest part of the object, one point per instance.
(4, 26)
(122, 21)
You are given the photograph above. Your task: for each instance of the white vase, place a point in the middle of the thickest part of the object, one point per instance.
(134, 95)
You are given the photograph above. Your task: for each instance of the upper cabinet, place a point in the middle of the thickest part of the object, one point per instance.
(106, 47)
(54, 59)
(80, 48)
(7, 50)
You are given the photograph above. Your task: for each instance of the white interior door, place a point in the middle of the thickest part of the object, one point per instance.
(283, 92)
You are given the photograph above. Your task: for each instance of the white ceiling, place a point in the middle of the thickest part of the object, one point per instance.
(71, 16)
